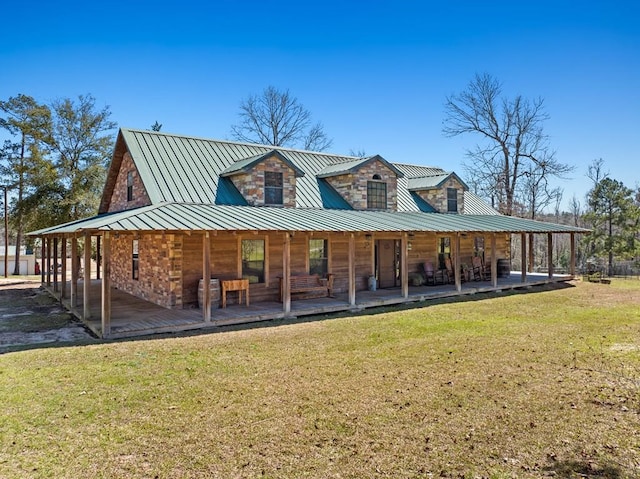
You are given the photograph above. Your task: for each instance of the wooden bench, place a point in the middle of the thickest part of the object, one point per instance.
(308, 285)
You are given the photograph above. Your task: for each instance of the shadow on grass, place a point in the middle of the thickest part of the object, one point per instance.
(585, 468)
(307, 319)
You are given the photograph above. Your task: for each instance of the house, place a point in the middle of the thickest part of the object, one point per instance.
(272, 224)
(27, 261)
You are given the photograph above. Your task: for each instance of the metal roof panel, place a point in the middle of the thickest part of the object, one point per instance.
(205, 217)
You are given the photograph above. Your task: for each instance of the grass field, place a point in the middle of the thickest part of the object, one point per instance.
(496, 386)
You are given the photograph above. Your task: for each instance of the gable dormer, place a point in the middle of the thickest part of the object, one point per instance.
(365, 183)
(444, 192)
(267, 179)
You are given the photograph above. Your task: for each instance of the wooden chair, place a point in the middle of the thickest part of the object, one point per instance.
(450, 274)
(433, 276)
(429, 273)
(486, 270)
(477, 269)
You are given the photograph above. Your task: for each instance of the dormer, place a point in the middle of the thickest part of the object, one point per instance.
(365, 183)
(444, 192)
(267, 179)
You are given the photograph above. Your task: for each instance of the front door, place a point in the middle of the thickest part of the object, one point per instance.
(387, 263)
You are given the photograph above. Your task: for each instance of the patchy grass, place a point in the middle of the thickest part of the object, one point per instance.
(513, 385)
(30, 310)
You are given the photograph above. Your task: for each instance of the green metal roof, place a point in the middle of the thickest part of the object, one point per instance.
(185, 169)
(182, 176)
(433, 181)
(352, 166)
(474, 205)
(242, 166)
(331, 198)
(207, 217)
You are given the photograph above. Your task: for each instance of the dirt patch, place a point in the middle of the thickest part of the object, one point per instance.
(29, 315)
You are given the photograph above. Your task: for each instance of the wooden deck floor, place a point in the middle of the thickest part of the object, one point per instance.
(132, 316)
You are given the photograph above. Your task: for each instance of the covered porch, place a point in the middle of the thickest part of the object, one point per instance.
(181, 248)
(131, 316)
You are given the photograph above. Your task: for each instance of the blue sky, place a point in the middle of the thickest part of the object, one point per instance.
(375, 73)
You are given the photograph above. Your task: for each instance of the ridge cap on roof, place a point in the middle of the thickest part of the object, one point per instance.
(413, 165)
(242, 143)
(444, 173)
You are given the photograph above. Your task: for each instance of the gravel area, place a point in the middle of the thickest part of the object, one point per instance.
(30, 316)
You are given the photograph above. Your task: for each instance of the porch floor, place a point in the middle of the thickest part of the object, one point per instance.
(132, 316)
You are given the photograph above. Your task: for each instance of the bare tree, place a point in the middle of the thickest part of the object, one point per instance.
(576, 210)
(276, 118)
(514, 147)
(536, 192)
(316, 139)
(596, 172)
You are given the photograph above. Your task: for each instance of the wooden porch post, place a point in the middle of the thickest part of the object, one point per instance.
(494, 262)
(98, 257)
(456, 263)
(74, 271)
(523, 238)
(48, 264)
(352, 270)
(206, 277)
(550, 254)
(286, 274)
(404, 265)
(531, 250)
(63, 272)
(43, 254)
(106, 287)
(572, 264)
(86, 283)
(55, 264)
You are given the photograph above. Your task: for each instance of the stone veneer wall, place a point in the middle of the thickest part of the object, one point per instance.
(353, 187)
(251, 185)
(160, 268)
(119, 197)
(438, 197)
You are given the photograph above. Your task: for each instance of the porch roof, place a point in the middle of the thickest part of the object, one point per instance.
(209, 217)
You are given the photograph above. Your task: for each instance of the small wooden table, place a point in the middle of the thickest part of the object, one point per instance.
(238, 285)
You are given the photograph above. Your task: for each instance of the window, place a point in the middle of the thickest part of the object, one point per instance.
(444, 251)
(376, 195)
(135, 262)
(452, 200)
(130, 186)
(272, 188)
(253, 260)
(318, 257)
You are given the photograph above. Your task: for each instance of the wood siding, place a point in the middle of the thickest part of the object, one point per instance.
(171, 267)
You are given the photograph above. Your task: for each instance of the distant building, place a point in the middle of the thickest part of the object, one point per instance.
(27, 261)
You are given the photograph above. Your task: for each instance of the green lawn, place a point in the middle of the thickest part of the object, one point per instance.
(497, 386)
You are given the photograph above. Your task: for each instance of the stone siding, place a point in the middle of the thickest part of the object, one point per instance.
(160, 268)
(251, 185)
(119, 196)
(438, 197)
(353, 187)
